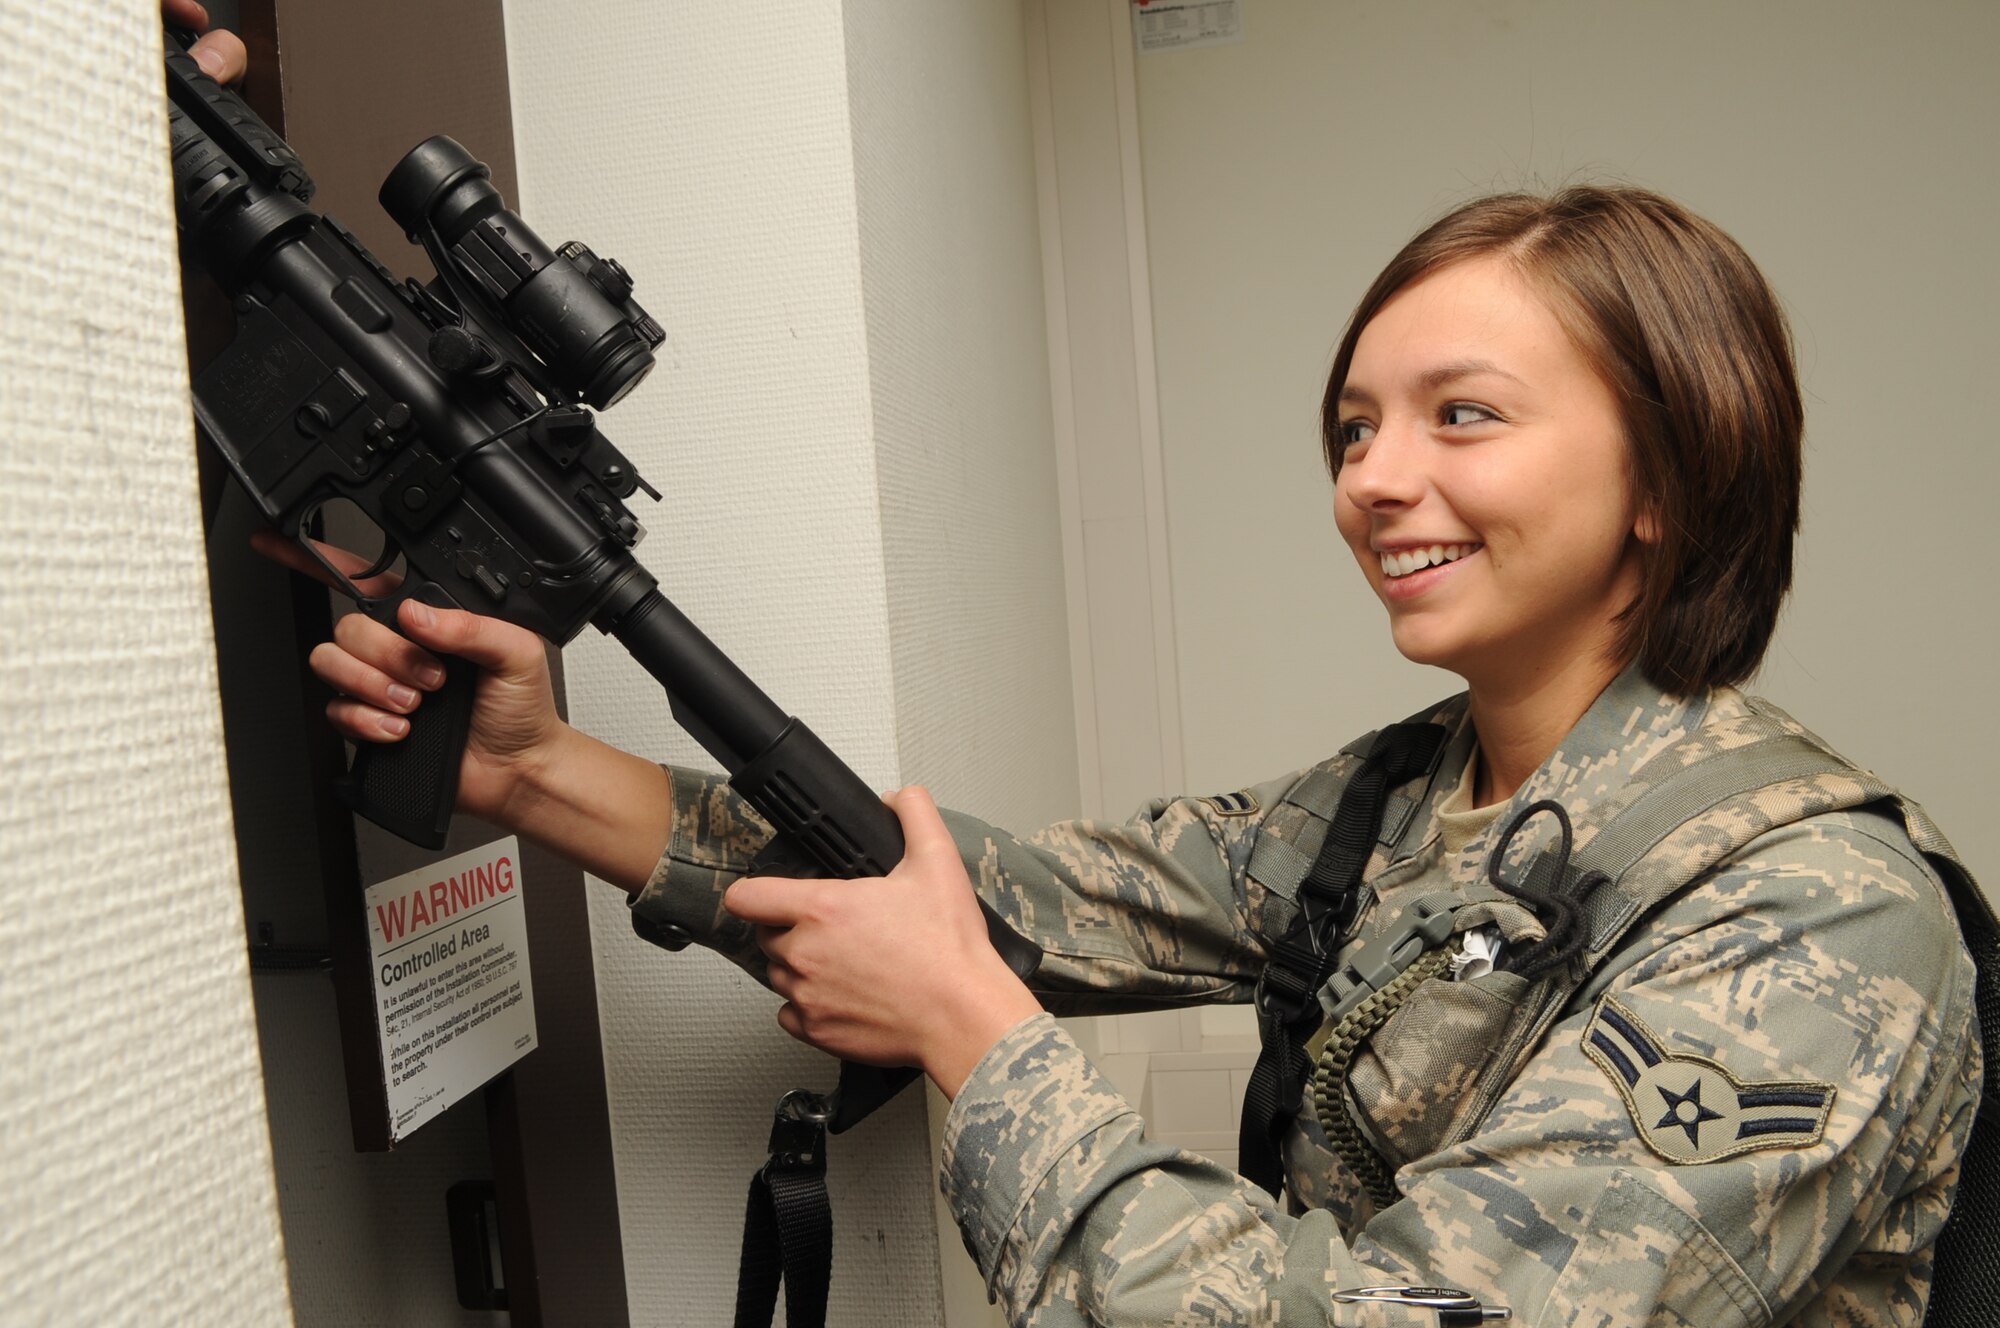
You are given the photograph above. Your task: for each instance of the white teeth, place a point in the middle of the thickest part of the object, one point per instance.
(1396, 564)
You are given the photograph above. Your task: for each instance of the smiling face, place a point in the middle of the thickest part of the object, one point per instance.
(1483, 485)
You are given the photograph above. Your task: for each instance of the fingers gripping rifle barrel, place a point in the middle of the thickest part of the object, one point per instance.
(483, 469)
(829, 822)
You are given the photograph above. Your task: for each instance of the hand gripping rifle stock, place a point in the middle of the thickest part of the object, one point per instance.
(454, 417)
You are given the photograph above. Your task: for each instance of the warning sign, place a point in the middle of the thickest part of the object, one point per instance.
(1177, 25)
(453, 1000)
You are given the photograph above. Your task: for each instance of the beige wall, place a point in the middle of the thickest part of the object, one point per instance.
(1846, 145)
(831, 211)
(959, 385)
(135, 1167)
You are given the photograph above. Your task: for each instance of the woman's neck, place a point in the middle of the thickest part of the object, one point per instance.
(1520, 720)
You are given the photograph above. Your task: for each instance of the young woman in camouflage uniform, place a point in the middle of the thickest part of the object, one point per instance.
(1565, 439)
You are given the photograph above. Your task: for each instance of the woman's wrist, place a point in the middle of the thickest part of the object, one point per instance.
(533, 782)
(969, 1024)
(606, 810)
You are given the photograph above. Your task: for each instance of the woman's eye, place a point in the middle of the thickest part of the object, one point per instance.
(1355, 431)
(1464, 412)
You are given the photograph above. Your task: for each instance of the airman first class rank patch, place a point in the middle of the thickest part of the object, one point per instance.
(1688, 1108)
(1233, 804)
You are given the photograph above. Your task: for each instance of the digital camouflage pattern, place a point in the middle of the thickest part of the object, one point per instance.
(1816, 950)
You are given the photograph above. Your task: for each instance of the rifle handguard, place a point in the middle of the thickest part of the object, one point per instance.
(845, 831)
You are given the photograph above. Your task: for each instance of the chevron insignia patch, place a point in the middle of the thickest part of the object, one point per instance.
(1233, 804)
(1689, 1109)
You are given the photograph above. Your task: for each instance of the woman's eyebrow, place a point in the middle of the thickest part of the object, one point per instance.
(1430, 380)
(1453, 370)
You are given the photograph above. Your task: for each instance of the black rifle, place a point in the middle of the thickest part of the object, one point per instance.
(455, 416)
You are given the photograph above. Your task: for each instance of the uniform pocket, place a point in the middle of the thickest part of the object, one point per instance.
(1643, 1263)
(1413, 1080)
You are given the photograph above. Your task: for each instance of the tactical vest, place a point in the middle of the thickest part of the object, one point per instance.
(1687, 811)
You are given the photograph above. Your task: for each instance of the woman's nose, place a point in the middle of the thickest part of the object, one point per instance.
(1386, 473)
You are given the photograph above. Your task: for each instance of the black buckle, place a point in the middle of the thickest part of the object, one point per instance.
(787, 1223)
(1288, 1008)
(798, 1132)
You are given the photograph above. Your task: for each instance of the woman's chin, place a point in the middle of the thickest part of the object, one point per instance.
(1427, 647)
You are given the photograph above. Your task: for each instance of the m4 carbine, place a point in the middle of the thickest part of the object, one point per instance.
(456, 416)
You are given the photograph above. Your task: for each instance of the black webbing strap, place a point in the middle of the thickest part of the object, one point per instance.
(1965, 1278)
(788, 1228)
(1301, 961)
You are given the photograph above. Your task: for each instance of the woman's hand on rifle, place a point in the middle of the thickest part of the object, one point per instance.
(524, 768)
(219, 53)
(894, 970)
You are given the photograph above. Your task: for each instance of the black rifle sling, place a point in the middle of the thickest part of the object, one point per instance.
(1301, 961)
(1965, 1282)
(788, 1227)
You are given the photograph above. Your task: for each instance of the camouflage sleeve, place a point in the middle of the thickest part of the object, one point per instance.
(1135, 914)
(713, 838)
(1815, 990)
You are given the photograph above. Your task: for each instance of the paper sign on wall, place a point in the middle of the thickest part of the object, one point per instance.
(1175, 25)
(454, 1003)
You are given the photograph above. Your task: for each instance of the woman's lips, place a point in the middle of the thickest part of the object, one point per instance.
(1413, 584)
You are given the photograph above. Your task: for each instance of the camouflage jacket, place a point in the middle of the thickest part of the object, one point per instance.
(1813, 983)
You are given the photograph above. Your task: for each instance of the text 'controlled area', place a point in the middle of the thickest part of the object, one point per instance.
(454, 993)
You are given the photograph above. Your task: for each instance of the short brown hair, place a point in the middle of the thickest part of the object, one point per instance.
(1687, 333)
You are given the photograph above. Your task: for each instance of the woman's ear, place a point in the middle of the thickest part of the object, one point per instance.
(1646, 526)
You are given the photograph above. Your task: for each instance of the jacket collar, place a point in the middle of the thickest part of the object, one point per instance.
(1628, 723)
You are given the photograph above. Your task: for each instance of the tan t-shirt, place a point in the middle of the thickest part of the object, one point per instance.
(1459, 822)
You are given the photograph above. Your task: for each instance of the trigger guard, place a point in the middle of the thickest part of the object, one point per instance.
(345, 583)
(383, 562)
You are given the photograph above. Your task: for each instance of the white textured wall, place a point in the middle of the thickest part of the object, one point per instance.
(959, 375)
(135, 1167)
(850, 423)
(1848, 146)
(959, 383)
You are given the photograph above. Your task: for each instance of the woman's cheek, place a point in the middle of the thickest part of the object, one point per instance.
(1353, 527)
